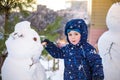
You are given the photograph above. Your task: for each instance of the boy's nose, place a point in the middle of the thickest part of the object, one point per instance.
(73, 37)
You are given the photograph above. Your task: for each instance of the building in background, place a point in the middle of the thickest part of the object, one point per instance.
(96, 10)
(99, 11)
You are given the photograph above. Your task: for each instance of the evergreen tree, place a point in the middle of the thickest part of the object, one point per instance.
(50, 32)
(6, 7)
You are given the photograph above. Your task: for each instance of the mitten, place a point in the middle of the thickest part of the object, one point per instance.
(45, 40)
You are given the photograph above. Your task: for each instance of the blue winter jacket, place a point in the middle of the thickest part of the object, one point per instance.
(81, 62)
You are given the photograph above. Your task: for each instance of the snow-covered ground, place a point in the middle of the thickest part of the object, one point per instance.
(53, 75)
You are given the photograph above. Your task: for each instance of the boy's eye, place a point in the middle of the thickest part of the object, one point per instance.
(76, 33)
(72, 34)
(69, 34)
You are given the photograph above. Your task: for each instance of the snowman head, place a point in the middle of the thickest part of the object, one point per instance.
(24, 40)
(113, 18)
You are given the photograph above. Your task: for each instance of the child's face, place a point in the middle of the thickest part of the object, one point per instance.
(74, 37)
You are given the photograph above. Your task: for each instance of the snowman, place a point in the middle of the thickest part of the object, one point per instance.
(24, 49)
(109, 44)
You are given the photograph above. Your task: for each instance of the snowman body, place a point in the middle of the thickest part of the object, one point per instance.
(109, 44)
(24, 49)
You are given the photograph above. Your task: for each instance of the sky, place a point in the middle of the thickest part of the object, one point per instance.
(54, 4)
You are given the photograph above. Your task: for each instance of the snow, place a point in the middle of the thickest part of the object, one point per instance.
(113, 18)
(53, 75)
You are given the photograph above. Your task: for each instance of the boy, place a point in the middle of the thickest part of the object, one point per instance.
(80, 58)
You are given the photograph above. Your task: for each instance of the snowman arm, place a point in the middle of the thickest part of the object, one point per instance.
(32, 63)
(54, 51)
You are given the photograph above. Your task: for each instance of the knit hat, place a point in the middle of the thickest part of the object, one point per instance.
(78, 25)
(77, 30)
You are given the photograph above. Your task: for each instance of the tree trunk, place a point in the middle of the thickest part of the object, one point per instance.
(6, 26)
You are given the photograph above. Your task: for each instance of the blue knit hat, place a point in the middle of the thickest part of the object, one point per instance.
(77, 30)
(78, 25)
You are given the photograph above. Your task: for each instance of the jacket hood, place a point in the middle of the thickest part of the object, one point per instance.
(77, 24)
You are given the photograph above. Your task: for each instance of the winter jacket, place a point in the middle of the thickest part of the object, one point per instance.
(80, 63)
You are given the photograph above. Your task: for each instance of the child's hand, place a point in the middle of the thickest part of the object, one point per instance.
(45, 42)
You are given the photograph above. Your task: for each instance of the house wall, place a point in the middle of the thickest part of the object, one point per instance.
(98, 19)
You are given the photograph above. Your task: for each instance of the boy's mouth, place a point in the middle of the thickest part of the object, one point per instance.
(73, 41)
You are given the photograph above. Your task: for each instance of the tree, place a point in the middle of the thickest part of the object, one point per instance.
(6, 6)
(50, 32)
